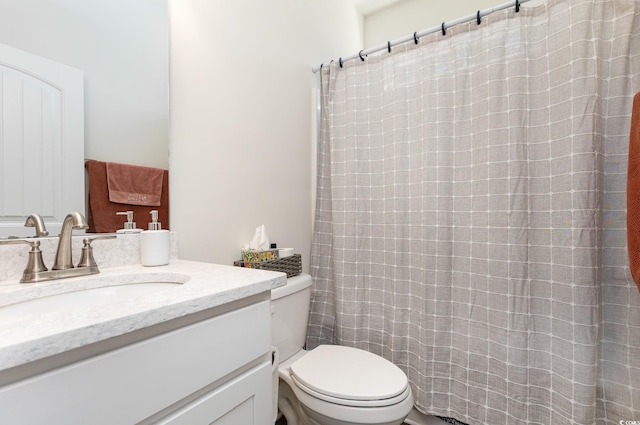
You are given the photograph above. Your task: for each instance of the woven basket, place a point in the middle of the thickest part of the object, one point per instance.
(292, 265)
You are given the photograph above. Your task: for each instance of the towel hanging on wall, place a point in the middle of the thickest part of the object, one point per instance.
(633, 192)
(134, 184)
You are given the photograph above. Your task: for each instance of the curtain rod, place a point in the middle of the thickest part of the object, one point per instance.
(443, 28)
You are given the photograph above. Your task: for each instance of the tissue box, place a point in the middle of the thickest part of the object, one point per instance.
(250, 257)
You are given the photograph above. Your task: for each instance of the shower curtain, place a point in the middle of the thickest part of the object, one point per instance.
(470, 215)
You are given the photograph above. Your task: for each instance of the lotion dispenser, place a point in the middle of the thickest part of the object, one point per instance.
(154, 243)
(130, 225)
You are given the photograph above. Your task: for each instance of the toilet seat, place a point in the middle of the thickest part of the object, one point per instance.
(350, 377)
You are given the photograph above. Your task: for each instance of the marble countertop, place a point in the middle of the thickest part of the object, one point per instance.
(25, 338)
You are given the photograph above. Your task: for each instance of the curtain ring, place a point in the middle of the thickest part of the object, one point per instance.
(360, 54)
(415, 37)
(517, 6)
(340, 62)
(389, 46)
(444, 30)
(478, 18)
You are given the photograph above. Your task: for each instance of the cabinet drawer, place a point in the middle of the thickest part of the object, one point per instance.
(244, 400)
(134, 382)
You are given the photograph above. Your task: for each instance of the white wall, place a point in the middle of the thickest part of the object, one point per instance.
(122, 48)
(241, 89)
(408, 16)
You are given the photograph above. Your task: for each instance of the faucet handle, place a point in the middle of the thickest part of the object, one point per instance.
(86, 258)
(35, 265)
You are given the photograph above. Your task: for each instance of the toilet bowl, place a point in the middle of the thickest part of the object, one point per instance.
(330, 385)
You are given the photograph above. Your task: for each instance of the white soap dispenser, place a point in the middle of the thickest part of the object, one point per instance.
(154, 243)
(130, 225)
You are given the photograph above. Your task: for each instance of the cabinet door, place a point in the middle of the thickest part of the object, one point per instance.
(244, 400)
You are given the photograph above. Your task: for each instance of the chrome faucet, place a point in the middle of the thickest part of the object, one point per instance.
(64, 259)
(35, 220)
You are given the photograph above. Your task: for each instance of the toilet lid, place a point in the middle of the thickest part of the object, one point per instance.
(349, 373)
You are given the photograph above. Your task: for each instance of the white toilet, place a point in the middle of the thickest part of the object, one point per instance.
(330, 385)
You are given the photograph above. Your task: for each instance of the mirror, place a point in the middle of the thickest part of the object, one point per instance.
(122, 48)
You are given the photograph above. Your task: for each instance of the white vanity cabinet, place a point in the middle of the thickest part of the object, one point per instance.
(211, 369)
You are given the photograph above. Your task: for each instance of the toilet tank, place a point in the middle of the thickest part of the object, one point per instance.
(290, 315)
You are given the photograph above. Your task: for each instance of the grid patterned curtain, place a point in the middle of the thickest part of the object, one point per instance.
(470, 222)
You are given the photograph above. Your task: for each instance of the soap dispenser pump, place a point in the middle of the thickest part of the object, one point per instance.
(154, 224)
(154, 243)
(129, 225)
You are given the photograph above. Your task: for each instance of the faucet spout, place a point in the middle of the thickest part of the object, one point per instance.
(64, 259)
(35, 220)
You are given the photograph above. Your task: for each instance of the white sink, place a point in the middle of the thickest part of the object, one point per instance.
(85, 298)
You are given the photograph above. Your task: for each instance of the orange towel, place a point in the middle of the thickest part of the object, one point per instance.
(633, 193)
(101, 212)
(134, 184)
